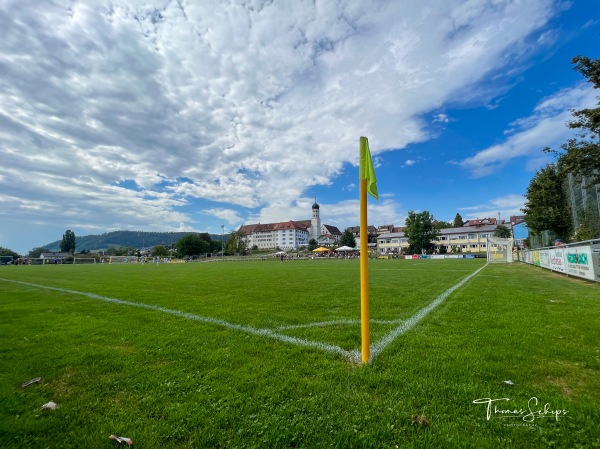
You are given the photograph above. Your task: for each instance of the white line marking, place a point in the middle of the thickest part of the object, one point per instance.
(335, 323)
(378, 347)
(353, 355)
(246, 329)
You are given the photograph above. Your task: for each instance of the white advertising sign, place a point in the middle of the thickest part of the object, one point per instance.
(545, 258)
(579, 262)
(557, 261)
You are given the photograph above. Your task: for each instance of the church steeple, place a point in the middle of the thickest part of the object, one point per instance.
(315, 222)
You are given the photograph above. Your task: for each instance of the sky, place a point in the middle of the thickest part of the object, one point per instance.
(180, 115)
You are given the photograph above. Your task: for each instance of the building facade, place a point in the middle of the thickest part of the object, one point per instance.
(290, 234)
(465, 239)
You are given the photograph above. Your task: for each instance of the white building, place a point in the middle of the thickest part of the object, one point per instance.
(290, 234)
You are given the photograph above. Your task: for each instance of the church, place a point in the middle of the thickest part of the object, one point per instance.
(291, 234)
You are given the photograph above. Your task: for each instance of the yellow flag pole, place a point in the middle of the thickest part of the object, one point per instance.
(364, 255)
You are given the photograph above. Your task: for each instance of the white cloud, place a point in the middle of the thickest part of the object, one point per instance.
(442, 118)
(228, 215)
(245, 104)
(527, 137)
(506, 206)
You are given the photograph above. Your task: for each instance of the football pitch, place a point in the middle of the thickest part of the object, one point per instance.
(267, 354)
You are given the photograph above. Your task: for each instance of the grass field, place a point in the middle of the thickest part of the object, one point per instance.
(263, 355)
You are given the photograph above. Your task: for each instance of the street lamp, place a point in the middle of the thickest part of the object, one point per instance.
(222, 239)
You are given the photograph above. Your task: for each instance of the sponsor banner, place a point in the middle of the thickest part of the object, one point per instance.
(438, 256)
(536, 257)
(557, 262)
(545, 258)
(579, 262)
(469, 256)
(452, 256)
(424, 256)
(596, 262)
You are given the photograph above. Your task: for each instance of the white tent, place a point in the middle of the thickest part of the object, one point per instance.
(344, 248)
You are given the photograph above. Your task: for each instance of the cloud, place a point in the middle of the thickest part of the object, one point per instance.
(239, 104)
(228, 215)
(505, 205)
(528, 136)
(442, 118)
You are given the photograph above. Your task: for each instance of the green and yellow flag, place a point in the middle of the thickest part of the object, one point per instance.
(367, 171)
(368, 185)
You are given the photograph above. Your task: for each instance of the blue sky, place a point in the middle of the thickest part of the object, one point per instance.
(179, 115)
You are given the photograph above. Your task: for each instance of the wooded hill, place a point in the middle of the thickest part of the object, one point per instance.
(135, 239)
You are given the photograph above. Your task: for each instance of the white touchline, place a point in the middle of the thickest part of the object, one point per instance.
(190, 316)
(378, 347)
(353, 355)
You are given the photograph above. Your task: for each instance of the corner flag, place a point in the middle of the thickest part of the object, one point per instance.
(368, 184)
(367, 171)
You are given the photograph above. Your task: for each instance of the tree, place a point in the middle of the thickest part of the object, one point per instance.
(8, 252)
(67, 243)
(546, 207)
(236, 243)
(35, 253)
(312, 244)
(191, 245)
(502, 232)
(582, 155)
(160, 251)
(347, 239)
(420, 232)
(458, 221)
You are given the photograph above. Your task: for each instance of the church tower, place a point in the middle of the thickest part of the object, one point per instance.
(315, 222)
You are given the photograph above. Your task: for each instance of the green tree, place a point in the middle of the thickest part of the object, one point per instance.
(236, 243)
(35, 253)
(347, 239)
(502, 232)
(420, 232)
(67, 243)
(8, 252)
(160, 251)
(546, 207)
(458, 221)
(582, 154)
(443, 225)
(312, 244)
(191, 245)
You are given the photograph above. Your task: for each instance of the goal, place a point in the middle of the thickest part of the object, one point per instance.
(499, 250)
(123, 259)
(84, 260)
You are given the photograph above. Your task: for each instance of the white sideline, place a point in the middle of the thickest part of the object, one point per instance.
(378, 347)
(190, 316)
(353, 356)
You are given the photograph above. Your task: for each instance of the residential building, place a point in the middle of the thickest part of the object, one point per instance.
(290, 234)
(465, 239)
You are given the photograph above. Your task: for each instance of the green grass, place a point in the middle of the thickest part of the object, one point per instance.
(167, 381)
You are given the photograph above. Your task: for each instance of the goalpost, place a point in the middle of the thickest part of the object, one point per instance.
(123, 259)
(84, 260)
(499, 250)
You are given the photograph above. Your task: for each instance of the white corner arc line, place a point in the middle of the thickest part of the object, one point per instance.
(407, 325)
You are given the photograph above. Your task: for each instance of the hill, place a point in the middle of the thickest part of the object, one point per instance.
(135, 239)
